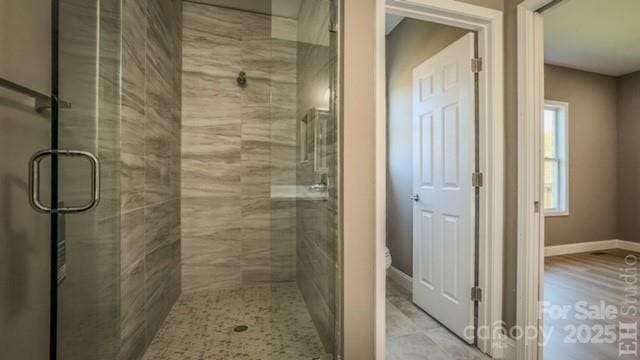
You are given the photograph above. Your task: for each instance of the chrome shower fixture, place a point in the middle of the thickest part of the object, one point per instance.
(242, 78)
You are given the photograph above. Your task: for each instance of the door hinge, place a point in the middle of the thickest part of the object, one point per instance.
(476, 65)
(476, 294)
(477, 179)
(334, 27)
(536, 207)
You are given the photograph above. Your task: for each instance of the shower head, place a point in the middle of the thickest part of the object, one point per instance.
(242, 79)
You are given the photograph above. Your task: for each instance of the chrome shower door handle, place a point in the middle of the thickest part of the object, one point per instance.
(34, 180)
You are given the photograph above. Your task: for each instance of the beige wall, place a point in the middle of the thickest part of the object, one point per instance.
(25, 43)
(492, 4)
(408, 45)
(592, 156)
(628, 88)
(358, 154)
(24, 233)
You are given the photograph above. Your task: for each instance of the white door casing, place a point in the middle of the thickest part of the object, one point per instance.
(443, 164)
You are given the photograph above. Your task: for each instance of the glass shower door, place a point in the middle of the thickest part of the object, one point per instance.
(85, 166)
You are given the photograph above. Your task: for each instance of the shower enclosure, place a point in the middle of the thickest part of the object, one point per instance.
(192, 183)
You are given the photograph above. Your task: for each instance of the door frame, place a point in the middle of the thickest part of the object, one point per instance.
(488, 23)
(530, 269)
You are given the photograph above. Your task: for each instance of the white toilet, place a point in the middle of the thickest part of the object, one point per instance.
(387, 257)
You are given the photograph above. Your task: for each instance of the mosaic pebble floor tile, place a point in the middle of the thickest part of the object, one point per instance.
(201, 326)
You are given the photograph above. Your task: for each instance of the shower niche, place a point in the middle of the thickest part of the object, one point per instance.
(314, 139)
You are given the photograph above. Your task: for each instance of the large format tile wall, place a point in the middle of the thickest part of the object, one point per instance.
(150, 169)
(236, 142)
(317, 220)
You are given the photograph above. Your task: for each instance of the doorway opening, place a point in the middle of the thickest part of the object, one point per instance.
(432, 202)
(439, 273)
(578, 208)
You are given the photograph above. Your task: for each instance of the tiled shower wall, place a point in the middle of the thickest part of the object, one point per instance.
(236, 143)
(150, 169)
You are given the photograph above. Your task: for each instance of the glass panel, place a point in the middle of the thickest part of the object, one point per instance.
(314, 212)
(550, 133)
(218, 210)
(551, 184)
(88, 258)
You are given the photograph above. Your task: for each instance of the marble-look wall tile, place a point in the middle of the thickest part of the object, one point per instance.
(132, 238)
(256, 239)
(132, 314)
(227, 142)
(157, 147)
(283, 28)
(161, 225)
(314, 14)
(132, 104)
(150, 159)
(157, 272)
(218, 261)
(283, 244)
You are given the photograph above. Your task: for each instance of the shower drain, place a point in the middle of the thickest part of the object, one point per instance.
(241, 328)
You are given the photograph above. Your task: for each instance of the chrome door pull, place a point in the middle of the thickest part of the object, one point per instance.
(415, 197)
(34, 180)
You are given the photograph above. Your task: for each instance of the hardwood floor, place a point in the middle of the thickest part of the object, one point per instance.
(413, 335)
(573, 281)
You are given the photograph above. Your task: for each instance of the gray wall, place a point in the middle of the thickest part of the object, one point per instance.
(408, 45)
(592, 156)
(24, 233)
(628, 87)
(150, 169)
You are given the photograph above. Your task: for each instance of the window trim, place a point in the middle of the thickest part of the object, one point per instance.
(562, 151)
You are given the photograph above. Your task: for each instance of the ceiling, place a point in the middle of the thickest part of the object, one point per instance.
(594, 35)
(284, 8)
(391, 21)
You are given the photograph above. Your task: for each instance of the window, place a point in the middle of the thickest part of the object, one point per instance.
(556, 164)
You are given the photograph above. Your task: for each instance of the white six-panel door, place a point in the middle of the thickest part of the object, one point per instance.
(443, 164)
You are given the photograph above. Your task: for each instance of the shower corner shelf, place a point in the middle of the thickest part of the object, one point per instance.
(42, 101)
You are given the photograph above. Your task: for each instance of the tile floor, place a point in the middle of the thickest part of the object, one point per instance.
(200, 326)
(414, 335)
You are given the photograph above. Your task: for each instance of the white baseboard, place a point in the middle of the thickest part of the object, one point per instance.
(591, 246)
(401, 278)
